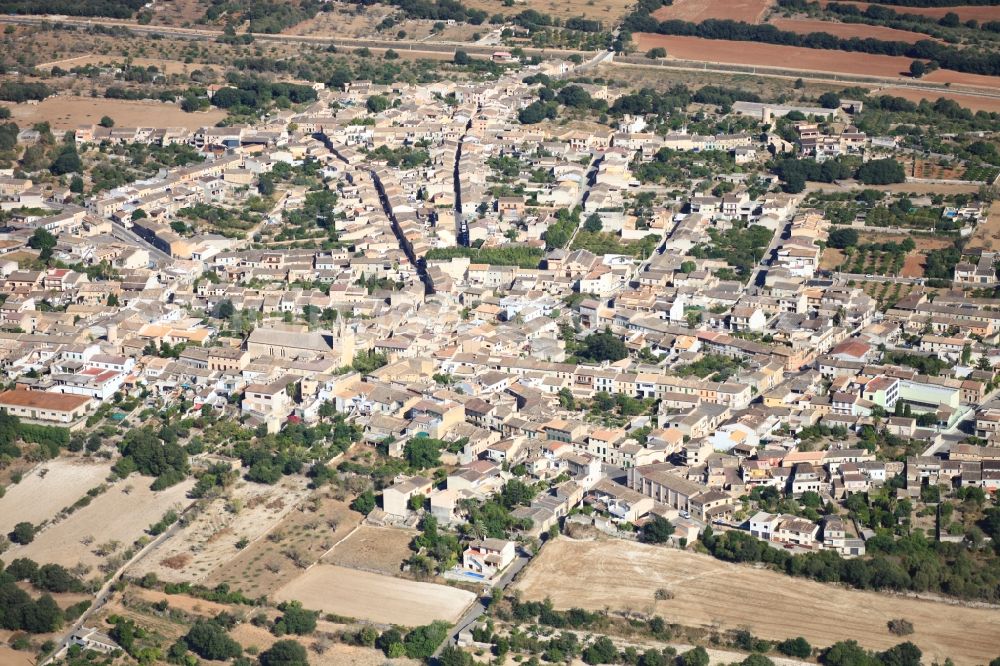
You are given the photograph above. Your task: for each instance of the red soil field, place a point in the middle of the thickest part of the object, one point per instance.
(847, 30)
(748, 11)
(968, 101)
(961, 78)
(771, 55)
(965, 12)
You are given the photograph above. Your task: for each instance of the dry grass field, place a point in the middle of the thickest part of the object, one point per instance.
(115, 515)
(374, 597)
(48, 489)
(333, 653)
(696, 11)
(847, 30)
(209, 540)
(377, 549)
(831, 259)
(708, 592)
(608, 11)
(770, 55)
(164, 65)
(65, 112)
(301, 538)
(965, 12)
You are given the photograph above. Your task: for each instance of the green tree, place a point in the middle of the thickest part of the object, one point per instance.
(208, 640)
(601, 651)
(377, 104)
(694, 657)
(422, 642)
(422, 452)
(23, 533)
(917, 69)
(603, 346)
(107, 121)
(67, 161)
(296, 620)
(284, 653)
(795, 647)
(657, 530)
(43, 241)
(829, 100)
(453, 656)
(593, 223)
(364, 503)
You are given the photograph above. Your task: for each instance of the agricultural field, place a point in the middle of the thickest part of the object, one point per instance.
(299, 540)
(770, 55)
(696, 11)
(211, 538)
(374, 597)
(847, 30)
(377, 549)
(609, 12)
(118, 516)
(163, 65)
(66, 112)
(48, 489)
(965, 12)
(625, 576)
(918, 168)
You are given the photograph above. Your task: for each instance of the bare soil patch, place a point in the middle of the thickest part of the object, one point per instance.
(847, 30)
(831, 259)
(209, 540)
(771, 55)
(991, 83)
(48, 489)
(120, 515)
(708, 592)
(11, 657)
(374, 597)
(65, 112)
(926, 169)
(377, 549)
(965, 12)
(696, 11)
(302, 537)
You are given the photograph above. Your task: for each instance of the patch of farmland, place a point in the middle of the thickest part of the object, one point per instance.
(119, 516)
(847, 30)
(708, 592)
(209, 540)
(696, 11)
(48, 489)
(378, 549)
(374, 597)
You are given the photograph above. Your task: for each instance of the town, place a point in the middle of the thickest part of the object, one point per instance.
(533, 365)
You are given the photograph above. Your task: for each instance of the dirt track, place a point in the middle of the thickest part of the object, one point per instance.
(708, 592)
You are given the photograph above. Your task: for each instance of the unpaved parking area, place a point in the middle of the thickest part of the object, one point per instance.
(48, 489)
(374, 597)
(625, 576)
